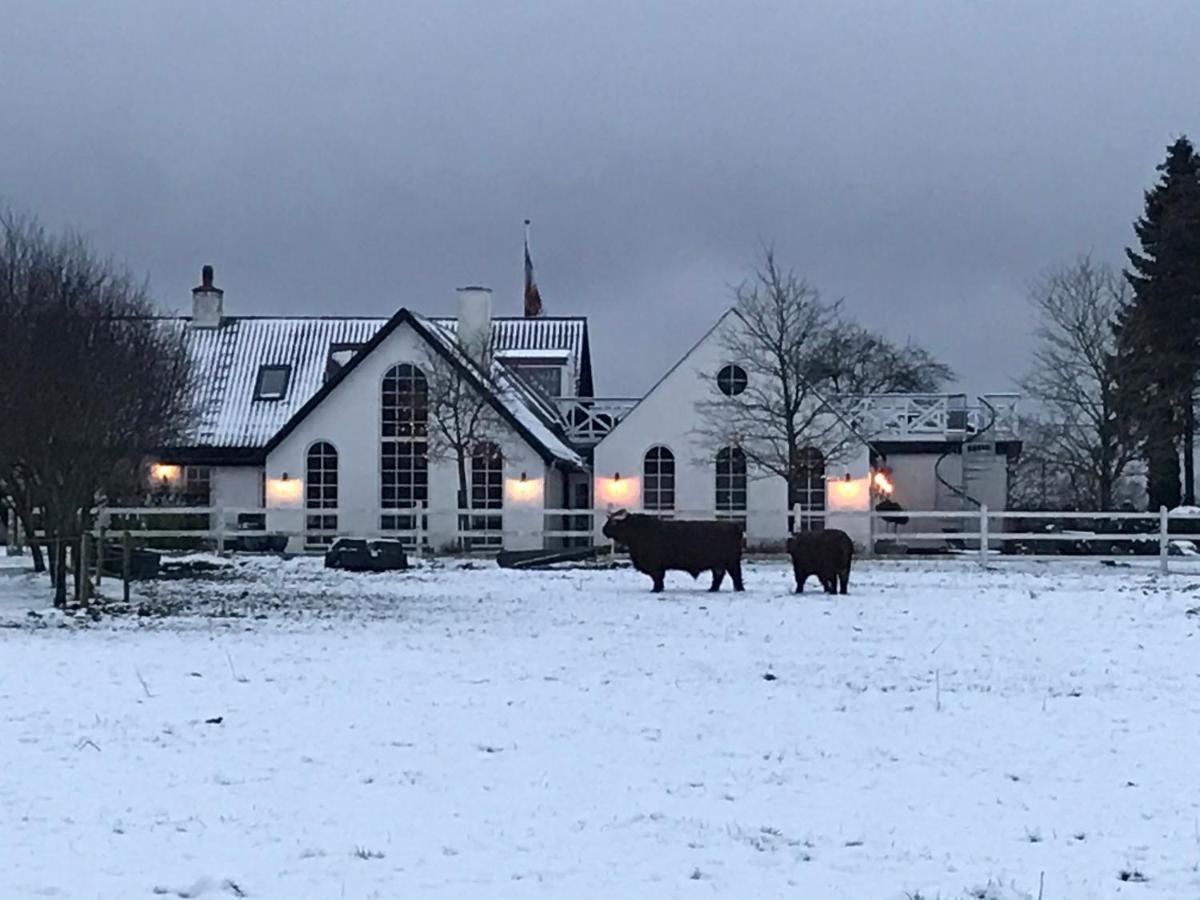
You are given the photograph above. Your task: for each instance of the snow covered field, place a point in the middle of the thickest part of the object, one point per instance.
(472, 733)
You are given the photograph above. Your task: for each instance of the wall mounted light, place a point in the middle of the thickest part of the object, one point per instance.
(616, 476)
(523, 478)
(285, 476)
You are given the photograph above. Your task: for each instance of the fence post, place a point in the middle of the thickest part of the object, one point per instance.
(218, 518)
(870, 531)
(100, 553)
(1164, 544)
(419, 532)
(126, 539)
(81, 570)
(983, 535)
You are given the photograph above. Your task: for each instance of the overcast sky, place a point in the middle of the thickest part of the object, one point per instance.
(923, 161)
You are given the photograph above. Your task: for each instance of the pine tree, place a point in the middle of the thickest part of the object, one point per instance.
(1160, 330)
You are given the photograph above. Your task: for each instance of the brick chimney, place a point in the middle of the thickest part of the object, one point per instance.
(208, 302)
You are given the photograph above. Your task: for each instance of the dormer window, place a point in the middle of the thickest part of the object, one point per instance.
(272, 382)
(339, 355)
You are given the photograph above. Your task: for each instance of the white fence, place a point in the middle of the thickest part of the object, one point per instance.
(986, 536)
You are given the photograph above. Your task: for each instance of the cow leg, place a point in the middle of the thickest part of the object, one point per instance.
(658, 576)
(830, 584)
(735, 572)
(801, 577)
(718, 577)
(845, 579)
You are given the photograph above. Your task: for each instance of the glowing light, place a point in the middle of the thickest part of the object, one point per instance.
(523, 489)
(848, 493)
(284, 491)
(617, 491)
(882, 483)
(165, 473)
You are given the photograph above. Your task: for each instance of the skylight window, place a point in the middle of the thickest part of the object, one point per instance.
(272, 382)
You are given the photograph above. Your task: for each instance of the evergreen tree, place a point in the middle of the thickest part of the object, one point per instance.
(1159, 332)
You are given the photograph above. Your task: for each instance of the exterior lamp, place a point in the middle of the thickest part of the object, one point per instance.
(523, 478)
(616, 476)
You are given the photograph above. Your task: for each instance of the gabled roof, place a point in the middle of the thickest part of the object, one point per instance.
(227, 360)
(507, 399)
(566, 334)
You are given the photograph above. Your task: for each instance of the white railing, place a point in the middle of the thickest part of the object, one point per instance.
(988, 536)
(589, 419)
(931, 416)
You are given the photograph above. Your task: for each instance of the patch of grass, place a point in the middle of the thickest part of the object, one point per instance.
(367, 853)
(1132, 875)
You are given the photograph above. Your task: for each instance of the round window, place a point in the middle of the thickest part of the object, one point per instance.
(731, 380)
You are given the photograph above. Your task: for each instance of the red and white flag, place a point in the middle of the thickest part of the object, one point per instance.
(533, 299)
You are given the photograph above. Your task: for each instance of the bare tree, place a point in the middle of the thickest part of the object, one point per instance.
(463, 421)
(857, 361)
(779, 413)
(1085, 432)
(90, 380)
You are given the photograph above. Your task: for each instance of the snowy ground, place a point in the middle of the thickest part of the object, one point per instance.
(471, 733)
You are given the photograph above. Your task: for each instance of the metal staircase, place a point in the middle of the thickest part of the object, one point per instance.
(976, 451)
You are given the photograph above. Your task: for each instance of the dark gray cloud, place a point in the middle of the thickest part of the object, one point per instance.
(922, 161)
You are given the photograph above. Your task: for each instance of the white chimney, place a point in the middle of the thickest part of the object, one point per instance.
(208, 302)
(475, 321)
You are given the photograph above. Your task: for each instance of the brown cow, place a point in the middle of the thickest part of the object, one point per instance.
(826, 554)
(659, 545)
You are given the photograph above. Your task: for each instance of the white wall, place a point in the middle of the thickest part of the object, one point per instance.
(349, 418)
(236, 488)
(667, 416)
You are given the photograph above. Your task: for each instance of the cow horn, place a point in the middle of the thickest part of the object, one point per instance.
(618, 514)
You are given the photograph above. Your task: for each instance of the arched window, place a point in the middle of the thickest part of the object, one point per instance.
(487, 492)
(731, 483)
(808, 490)
(658, 480)
(320, 493)
(404, 459)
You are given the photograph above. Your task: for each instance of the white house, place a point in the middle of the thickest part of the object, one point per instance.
(313, 426)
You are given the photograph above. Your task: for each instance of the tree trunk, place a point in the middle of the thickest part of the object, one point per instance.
(25, 517)
(1189, 468)
(463, 496)
(59, 550)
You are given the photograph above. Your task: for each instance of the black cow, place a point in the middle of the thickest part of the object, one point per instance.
(826, 554)
(658, 545)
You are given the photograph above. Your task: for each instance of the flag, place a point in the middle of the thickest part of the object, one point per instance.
(533, 299)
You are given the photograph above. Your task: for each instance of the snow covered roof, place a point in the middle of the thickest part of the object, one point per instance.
(540, 337)
(229, 358)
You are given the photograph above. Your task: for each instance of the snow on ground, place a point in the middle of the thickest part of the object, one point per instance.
(460, 732)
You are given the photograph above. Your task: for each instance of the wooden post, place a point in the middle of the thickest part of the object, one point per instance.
(217, 518)
(1164, 543)
(100, 554)
(81, 569)
(983, 535)
(870, 530)
(126, 539)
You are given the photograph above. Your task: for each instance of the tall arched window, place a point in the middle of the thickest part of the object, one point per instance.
(808, 490)
(320, 493)
(731, 483)
(404, 458)
(487, 492)
(658, 480)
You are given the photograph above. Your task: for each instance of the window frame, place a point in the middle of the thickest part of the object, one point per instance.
(736, 482)
(734, 371)
(320, 526)
(285, 368)
(652, 481)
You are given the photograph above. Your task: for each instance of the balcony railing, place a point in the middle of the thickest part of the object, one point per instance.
(588, 419)
(932, 416)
